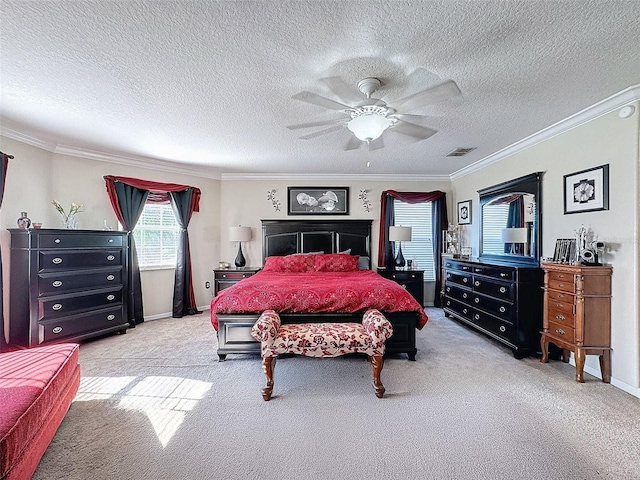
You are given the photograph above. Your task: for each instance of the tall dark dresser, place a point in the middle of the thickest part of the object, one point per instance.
(66, 285)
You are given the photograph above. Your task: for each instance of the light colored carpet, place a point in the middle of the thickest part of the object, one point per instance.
(156, 404)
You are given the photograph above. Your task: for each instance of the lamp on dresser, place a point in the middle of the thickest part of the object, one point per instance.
(515, 236)
(400, 234)
(240, 234)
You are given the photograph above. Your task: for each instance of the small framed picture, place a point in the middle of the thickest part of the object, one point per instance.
(565, 251)
(587, 190)
(464, 212)
(317, 200)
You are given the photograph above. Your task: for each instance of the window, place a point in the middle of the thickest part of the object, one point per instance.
(156, 236)
(419, 217)
(493, 222)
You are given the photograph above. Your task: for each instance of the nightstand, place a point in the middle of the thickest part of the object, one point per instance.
(411, 280)
(224, 278)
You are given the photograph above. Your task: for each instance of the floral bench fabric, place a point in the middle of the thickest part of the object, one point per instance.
(322, 340)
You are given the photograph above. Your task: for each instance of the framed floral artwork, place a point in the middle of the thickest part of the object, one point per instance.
(587, 190)
(317, 200)
(464, 212)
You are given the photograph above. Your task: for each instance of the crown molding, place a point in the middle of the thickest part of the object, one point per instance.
(618, 100)
(337, 177)
(29, 140)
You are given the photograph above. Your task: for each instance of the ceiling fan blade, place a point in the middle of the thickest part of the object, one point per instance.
(315, 99)
(376, 144)
(322, 132)
(313, 124)
(413, 130)
(341, 90)
(353, 144)
(410, 118)
(431, 95)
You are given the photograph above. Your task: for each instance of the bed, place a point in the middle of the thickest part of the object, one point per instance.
(326, 277)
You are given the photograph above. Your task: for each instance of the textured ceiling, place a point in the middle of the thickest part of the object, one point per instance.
(209, 84)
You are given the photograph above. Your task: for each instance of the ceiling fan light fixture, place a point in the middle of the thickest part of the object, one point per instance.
(369, 122)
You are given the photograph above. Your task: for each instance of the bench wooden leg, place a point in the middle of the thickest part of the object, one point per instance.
(268, 364)
(377, 362)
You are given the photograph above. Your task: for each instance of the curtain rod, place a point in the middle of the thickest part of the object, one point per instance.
(10, 157)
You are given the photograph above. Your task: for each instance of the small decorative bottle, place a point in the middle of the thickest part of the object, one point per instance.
(24, 222)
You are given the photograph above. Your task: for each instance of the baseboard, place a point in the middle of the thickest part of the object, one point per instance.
(158, 316)
(635, 391)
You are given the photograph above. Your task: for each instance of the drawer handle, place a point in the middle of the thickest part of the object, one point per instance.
(503, 289)
(448, 302)
(560, 295)
(244, 275)
(504, 275)
(447, 264)
(224, 275)
(56, 261)
(56, 330)
(502, 309)
(57, 240)
(561, 285)
(464, 310)
(56, 283)
(111, 277)
(404, 286)
(465, 268)
(560, 276)
(111, 297)
(110, 240)
(478, 270)
(110, 317)
(476, 316)
(111, 257)
(477, 283)
(560, 331)
(465, 280)
(56, 306)
(449, 289)
(503, 328)
(560, 317)
(477, 300)
(464, 295)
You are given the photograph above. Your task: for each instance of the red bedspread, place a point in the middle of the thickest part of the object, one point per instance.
(315, 292)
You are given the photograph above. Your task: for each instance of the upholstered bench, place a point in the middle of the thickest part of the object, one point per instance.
(322, 340)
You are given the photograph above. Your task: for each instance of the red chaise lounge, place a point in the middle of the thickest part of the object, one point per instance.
(37, 386)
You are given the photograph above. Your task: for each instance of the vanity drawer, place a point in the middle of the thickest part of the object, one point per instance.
(496, 307)
(60, 306)
(56, 330)
(460, 294)
(459, 278)
(458, 308)
(561, 317)
(503, 291)
(79, 240)
(67, 260)
(495, 272)
(63, 282)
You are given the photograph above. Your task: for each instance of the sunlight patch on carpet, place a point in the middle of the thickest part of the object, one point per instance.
(165, 400)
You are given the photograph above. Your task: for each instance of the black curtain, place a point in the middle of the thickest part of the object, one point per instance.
(131, 202)
(184, 302)
(4, 163)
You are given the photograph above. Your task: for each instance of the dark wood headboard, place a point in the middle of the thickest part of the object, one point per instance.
(284, 237)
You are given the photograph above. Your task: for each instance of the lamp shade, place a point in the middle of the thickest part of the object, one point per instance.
(399, 234)
(239, 234)
(369, 127)
(514, 235)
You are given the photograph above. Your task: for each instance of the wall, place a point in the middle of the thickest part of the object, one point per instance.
(36, 176)
(607, 139)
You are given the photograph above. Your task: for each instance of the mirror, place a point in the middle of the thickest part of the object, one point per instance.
(510, 229)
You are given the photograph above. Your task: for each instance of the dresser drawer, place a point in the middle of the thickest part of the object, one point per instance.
(560, 306)
(460, 294)
(232, 275)
(562, 297)
(562, 317)
(463, 279)
(458, 308)
(452, 265)
(49, 283)
(60, 306)
(61, 260)
(495, 272)
(404, 276)
(562, 281)
(80, 240)
(497, 326)
(564, 332)
(496, 307)
(503, 291)
(57, 330)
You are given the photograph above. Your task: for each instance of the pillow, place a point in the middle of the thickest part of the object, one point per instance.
(347, 251)
(363, 263)
(336, 262)
(290, 264)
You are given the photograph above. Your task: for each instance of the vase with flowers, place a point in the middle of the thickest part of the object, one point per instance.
(68, 218)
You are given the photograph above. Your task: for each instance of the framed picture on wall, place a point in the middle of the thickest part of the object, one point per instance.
(587, 190)
(464, 212)
(318, 200)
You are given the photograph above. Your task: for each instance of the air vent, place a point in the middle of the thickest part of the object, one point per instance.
(460, 152)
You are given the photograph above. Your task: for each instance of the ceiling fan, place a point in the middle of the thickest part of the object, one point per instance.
(370, 117)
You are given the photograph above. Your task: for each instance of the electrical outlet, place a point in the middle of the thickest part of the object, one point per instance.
(207, 284)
